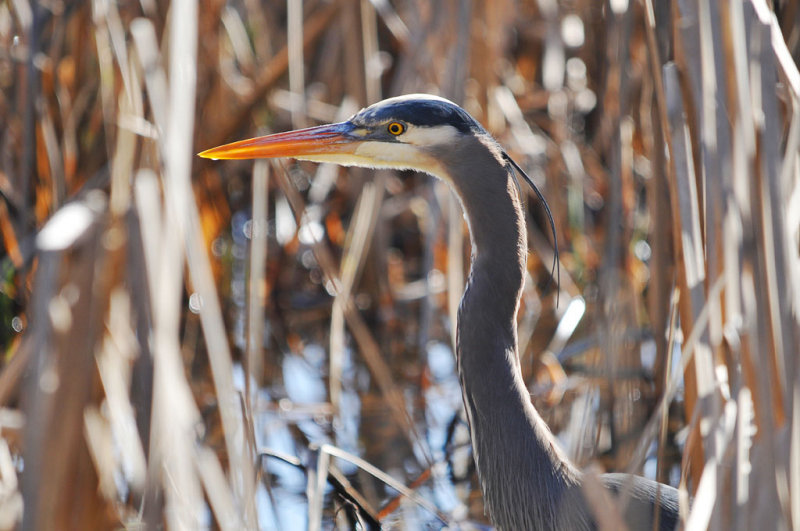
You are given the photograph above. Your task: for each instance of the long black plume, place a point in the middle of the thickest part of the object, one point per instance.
(555, 268)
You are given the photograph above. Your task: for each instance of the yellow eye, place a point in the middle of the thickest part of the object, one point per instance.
(396, 128)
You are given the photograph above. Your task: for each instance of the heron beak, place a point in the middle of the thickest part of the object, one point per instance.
(304, 143)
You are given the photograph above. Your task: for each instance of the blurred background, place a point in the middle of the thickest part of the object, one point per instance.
(198, 344)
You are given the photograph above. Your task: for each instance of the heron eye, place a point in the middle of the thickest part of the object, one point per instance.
(396, 128)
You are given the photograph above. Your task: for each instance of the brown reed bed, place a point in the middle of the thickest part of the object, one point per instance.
(161, 314)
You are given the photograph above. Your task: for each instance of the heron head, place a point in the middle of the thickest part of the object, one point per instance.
(413, 132)
(406, 132)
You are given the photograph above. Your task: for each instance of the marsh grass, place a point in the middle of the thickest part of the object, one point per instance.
(239, 345)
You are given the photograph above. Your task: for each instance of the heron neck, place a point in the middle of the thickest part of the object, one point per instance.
(518, 463)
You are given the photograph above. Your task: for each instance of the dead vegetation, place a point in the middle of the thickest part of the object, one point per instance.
(234, 345)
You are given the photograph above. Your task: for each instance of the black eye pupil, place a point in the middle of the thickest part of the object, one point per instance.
(395, 128)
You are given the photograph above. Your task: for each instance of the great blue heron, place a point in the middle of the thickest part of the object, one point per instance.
(527, 482)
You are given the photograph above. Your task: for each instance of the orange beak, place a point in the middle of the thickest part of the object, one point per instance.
(320, 140)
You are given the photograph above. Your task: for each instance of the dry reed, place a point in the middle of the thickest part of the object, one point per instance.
(157, 307)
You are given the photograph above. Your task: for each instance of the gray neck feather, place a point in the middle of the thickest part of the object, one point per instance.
(524, 477)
